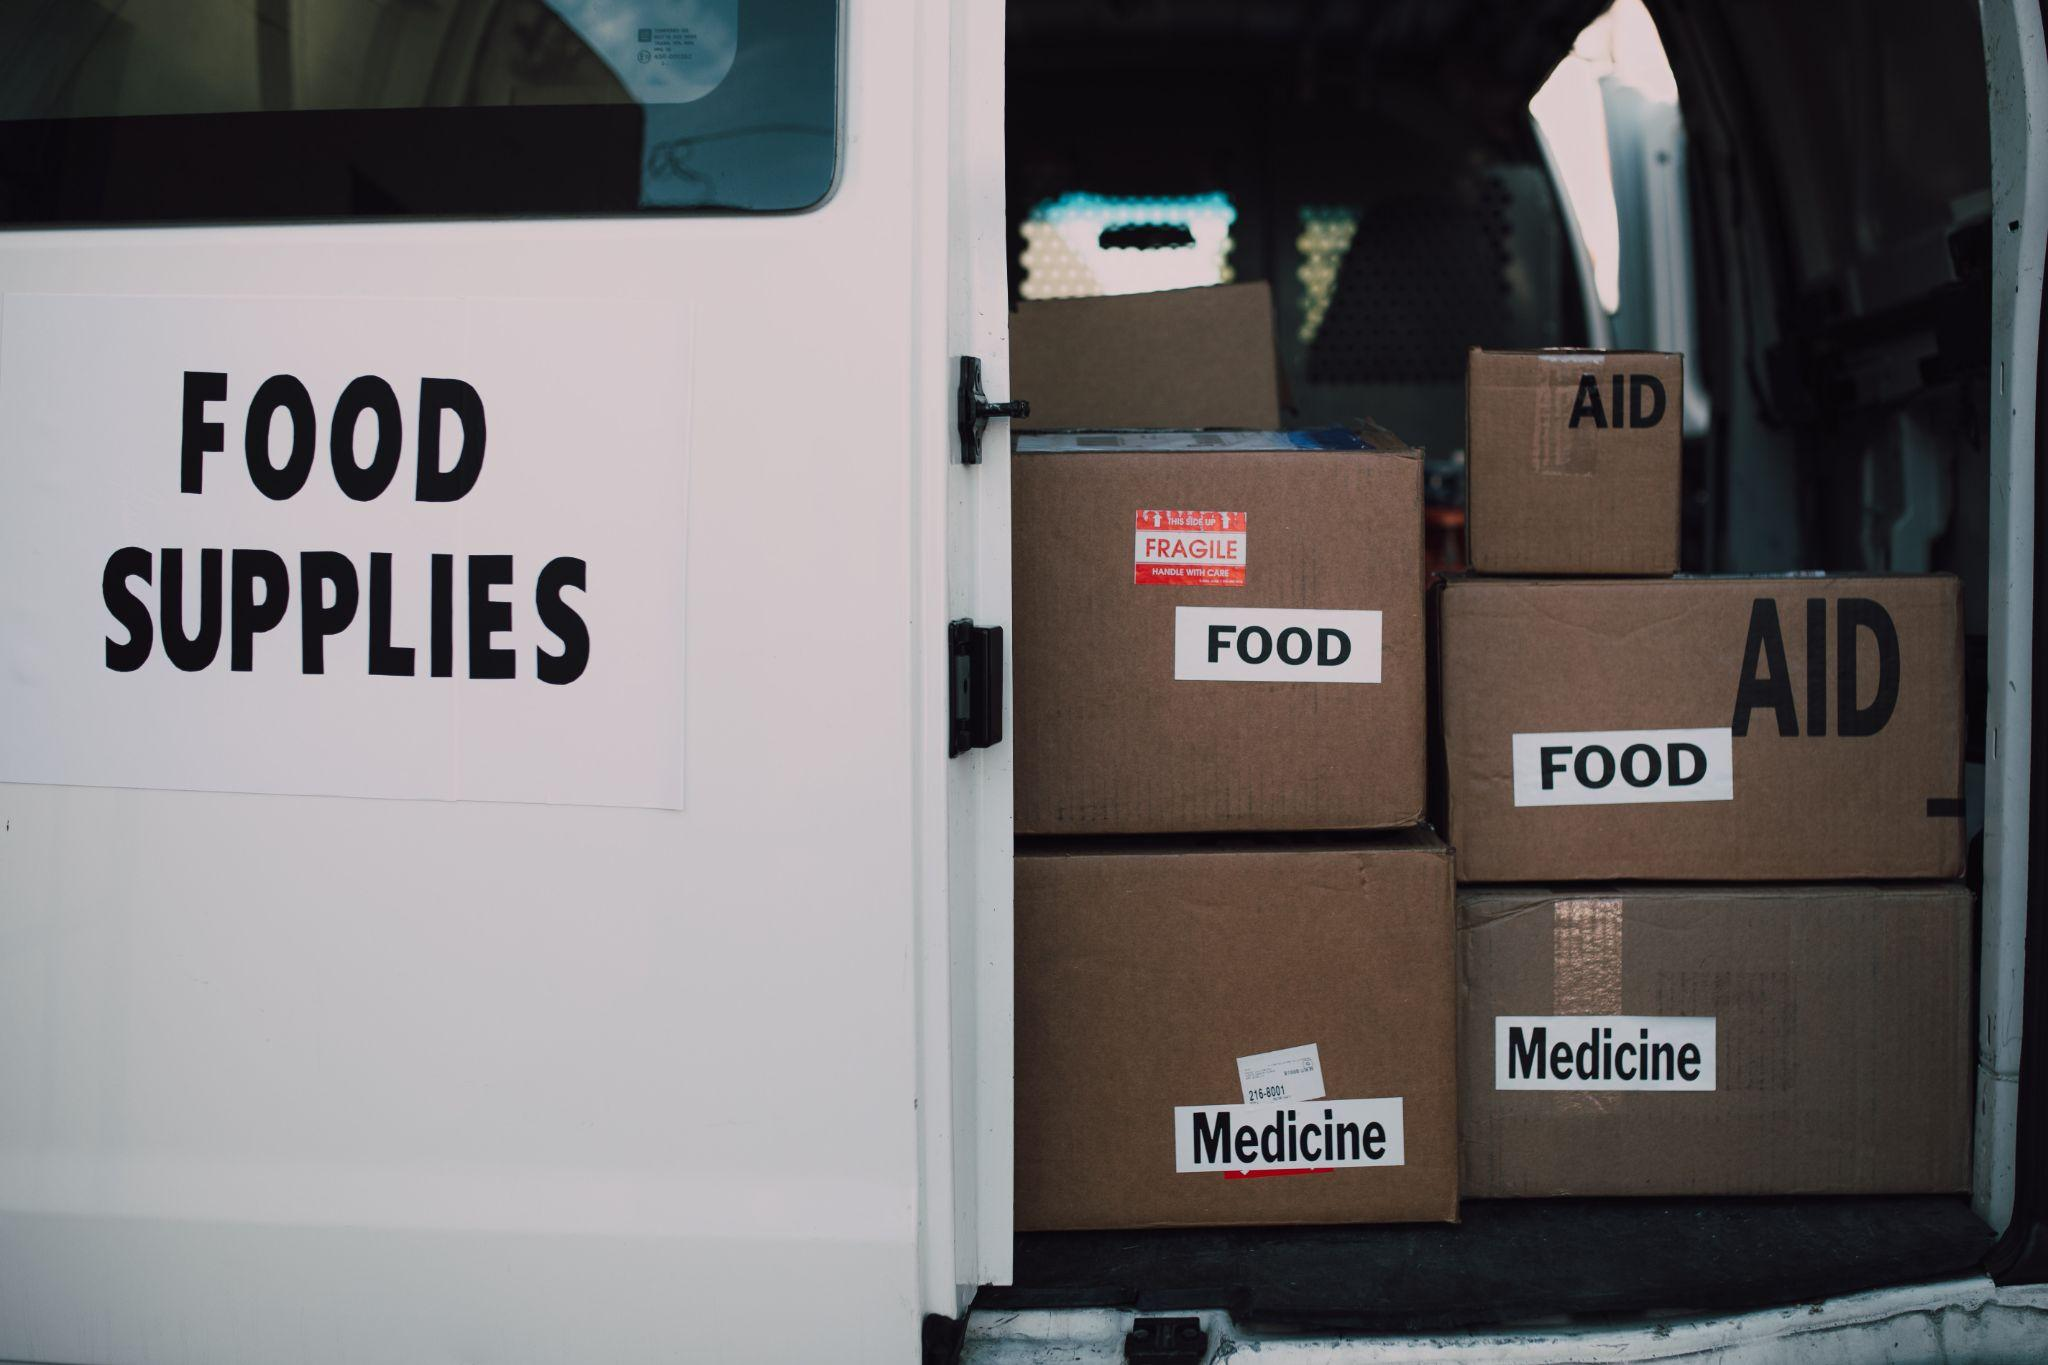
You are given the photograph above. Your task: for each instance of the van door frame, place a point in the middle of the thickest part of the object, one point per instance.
(963, 804)
(2016, 64)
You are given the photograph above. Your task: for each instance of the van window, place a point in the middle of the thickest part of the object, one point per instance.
(196, 110)
(1078, 245)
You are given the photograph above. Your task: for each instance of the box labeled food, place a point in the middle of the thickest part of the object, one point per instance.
(1178, 358)
(1573, 461)
(1235, 1032)
(1715, 1040)
(1217, 631)
(1702, 729)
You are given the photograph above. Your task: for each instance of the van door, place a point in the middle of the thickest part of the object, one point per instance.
(474, 793)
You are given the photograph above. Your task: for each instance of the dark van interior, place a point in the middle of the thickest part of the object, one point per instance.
(1809, 223)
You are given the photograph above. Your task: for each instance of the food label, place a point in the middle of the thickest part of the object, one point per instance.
(1275, 644)
(1623, 767)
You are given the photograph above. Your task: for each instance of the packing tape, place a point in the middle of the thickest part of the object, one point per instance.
(1586, 974)
(1586, 948)
(1554, 448)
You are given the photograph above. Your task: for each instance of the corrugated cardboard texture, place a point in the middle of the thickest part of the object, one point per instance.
(1547, 497)
(1142, 976)
(1108, 742)
(1843, 1036)
(1184, 358)
(1545, 657)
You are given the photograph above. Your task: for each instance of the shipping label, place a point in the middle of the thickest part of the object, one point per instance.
(1189, 549)
(1319, 1135)
(1623, 767)
(1275, 644)
(1285, 1076)
(1602, 1052)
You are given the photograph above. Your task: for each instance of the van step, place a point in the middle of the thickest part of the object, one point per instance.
(1166, 1341)
(1509, 1262)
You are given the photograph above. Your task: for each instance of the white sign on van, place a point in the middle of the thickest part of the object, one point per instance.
(1275, 644)
(1603, 1052)
(344, 547)
(1622, 767)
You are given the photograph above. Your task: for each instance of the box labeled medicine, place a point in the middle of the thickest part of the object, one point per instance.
(1235, 1032)
(1715, 1040)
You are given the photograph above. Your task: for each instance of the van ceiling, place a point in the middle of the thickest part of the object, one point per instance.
(1507, 48)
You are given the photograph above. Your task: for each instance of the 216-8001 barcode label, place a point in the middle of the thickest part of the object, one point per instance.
(1189, 549)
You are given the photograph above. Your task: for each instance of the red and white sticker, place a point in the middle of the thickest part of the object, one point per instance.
(1190, 549)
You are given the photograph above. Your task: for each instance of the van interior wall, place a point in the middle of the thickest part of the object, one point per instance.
(1840, 158)
(1840, 173)
(1402, 124)
(1839, 183)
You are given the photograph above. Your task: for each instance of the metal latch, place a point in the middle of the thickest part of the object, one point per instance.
(976, 706)
(1166, 1341)
(975, 409)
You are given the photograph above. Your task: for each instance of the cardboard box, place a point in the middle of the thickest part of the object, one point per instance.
(1710, 729)
(1217, 631)
(1144, 975)
(1572, 461)
(1178, 359)
(1829, 1030)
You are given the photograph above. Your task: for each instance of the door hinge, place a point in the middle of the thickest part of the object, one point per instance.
(975, 409)
(976, 705)
(1166, 1341)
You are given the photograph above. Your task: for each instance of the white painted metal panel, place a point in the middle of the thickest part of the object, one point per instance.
(328, 1079)
(964, 803)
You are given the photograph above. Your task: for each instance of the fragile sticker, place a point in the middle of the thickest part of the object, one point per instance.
(1189, 549)
(1319, 1135)
(1283, 1076)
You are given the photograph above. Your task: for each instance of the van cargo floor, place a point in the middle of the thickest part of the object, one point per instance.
(1509, 1262)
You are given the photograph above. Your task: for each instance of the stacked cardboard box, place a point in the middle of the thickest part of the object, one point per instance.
(1572, 461)
(1245, 1014)
(1190, 1015)
(1679, 1040)
(1716, 1034)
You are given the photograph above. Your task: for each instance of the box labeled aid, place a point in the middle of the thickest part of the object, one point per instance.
(1709, 729)
(1573, 461)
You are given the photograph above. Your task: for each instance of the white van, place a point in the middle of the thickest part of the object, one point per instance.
(505, 844)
